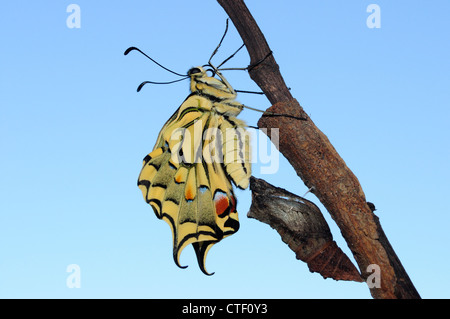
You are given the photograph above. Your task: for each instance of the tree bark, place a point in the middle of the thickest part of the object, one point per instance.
(319, 165)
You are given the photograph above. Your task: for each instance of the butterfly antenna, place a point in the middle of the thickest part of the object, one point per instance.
(136, 49)
(153, 82)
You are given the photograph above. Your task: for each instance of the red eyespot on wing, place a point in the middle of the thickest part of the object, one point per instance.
(222, 204)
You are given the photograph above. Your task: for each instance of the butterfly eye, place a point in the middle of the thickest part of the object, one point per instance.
(194, 71)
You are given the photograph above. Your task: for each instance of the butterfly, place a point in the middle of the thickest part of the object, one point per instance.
(200, 152)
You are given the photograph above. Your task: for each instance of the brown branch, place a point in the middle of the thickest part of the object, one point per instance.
(319, 165)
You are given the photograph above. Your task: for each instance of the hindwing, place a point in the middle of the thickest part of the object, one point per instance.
(187, 177)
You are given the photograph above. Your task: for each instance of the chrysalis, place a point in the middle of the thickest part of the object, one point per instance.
(303, 228)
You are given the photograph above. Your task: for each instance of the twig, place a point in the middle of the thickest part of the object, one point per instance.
(319, 165)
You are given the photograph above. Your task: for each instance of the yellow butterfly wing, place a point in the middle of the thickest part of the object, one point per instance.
(187, 189)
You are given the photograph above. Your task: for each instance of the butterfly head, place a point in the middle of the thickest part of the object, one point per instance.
(208, 85)
(197, 72)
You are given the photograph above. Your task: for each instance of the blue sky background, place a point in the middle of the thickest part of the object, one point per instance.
(73, 132)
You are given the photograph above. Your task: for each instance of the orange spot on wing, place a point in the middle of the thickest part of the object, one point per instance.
(189, 192)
